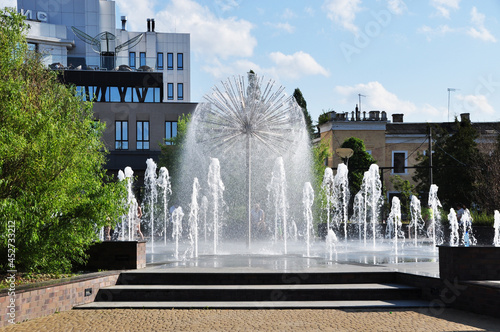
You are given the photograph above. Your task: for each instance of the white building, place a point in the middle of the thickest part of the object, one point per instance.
(139, 81)
(51, 34)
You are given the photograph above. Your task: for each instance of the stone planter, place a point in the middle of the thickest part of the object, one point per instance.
(117, 255)
(469, 263)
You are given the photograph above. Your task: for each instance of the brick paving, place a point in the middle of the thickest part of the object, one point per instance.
(259, 320)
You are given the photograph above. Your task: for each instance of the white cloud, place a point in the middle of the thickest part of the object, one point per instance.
(343, 13)
(479, 31)
(282, 26)
(211, 36)
(296, 65)
(440, 31)
(223, 70)
(443, 7)
(288, 14)
(397, 7)
(226, 5)
(476, 103)
(377, 98)
(136, 15)
(310, 11)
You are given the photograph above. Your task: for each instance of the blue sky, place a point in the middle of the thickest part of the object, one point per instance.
(402, 55)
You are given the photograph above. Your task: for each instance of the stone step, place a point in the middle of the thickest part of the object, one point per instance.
(365, 304)
(252, 278)
(294, 292)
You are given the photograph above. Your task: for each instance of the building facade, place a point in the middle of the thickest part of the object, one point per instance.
(139, 81)
(395, 145)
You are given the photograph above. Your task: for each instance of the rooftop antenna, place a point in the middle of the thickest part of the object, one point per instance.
(359, 96)
(449, 91)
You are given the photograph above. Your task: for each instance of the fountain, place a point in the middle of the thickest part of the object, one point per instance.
(308, 200)
(466, 222)
(177, 216)
(452, 218)
(150, 198)
(327, 187)
(341, 197)
(164, 195)
(248, 144)
(496, 226)
(417, 221)
(249, 126)
(193, 219)
(434, 230)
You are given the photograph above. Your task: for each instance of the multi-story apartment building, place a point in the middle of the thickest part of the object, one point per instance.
(139, 81)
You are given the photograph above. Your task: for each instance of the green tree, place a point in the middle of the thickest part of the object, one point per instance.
(299, 98)
(321, 153)
(170, 156)
(454, 160)
(358, 164)
(406, 190)
(52, 181)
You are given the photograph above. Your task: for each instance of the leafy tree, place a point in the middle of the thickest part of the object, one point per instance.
(358, 164)
(297, 94)
(170, 156)
(407, 190)
(321, 152)
(487, 175)
(454, 160)
(52, 182)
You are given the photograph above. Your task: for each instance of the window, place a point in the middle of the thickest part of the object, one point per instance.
(159, 60)
(170, 61)
(33, 47)
(142, 135)
(170, 91)
(170, 131)
(399, 162)
(121, 135)
(180, 62)
(180, 91)
(142, 59)
(131, 59)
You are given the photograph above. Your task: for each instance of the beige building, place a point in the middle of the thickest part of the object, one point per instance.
(395, 145)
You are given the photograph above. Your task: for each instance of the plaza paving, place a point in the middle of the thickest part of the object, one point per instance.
(211, 319)
(259, 320)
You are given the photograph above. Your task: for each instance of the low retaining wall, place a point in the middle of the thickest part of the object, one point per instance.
(42, 299)
(469, 263)
(117, 255)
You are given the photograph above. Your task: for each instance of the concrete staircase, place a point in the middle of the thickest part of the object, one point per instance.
(257, 291)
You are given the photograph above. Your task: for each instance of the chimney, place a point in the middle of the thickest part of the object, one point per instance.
(358, 115)
(124, 22)
(153, 24)
(465, 117)
(397, 118)
(384, 116)
(149, 25)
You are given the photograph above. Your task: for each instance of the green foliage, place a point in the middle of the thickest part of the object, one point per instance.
(454, 159)
(358, 164)
(52, 183)
(170, 156)
(299, 98)
(482, 218)
(324, 117)
(407, 190)
(320, 153)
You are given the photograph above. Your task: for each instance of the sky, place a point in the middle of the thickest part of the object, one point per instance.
(402, 56)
